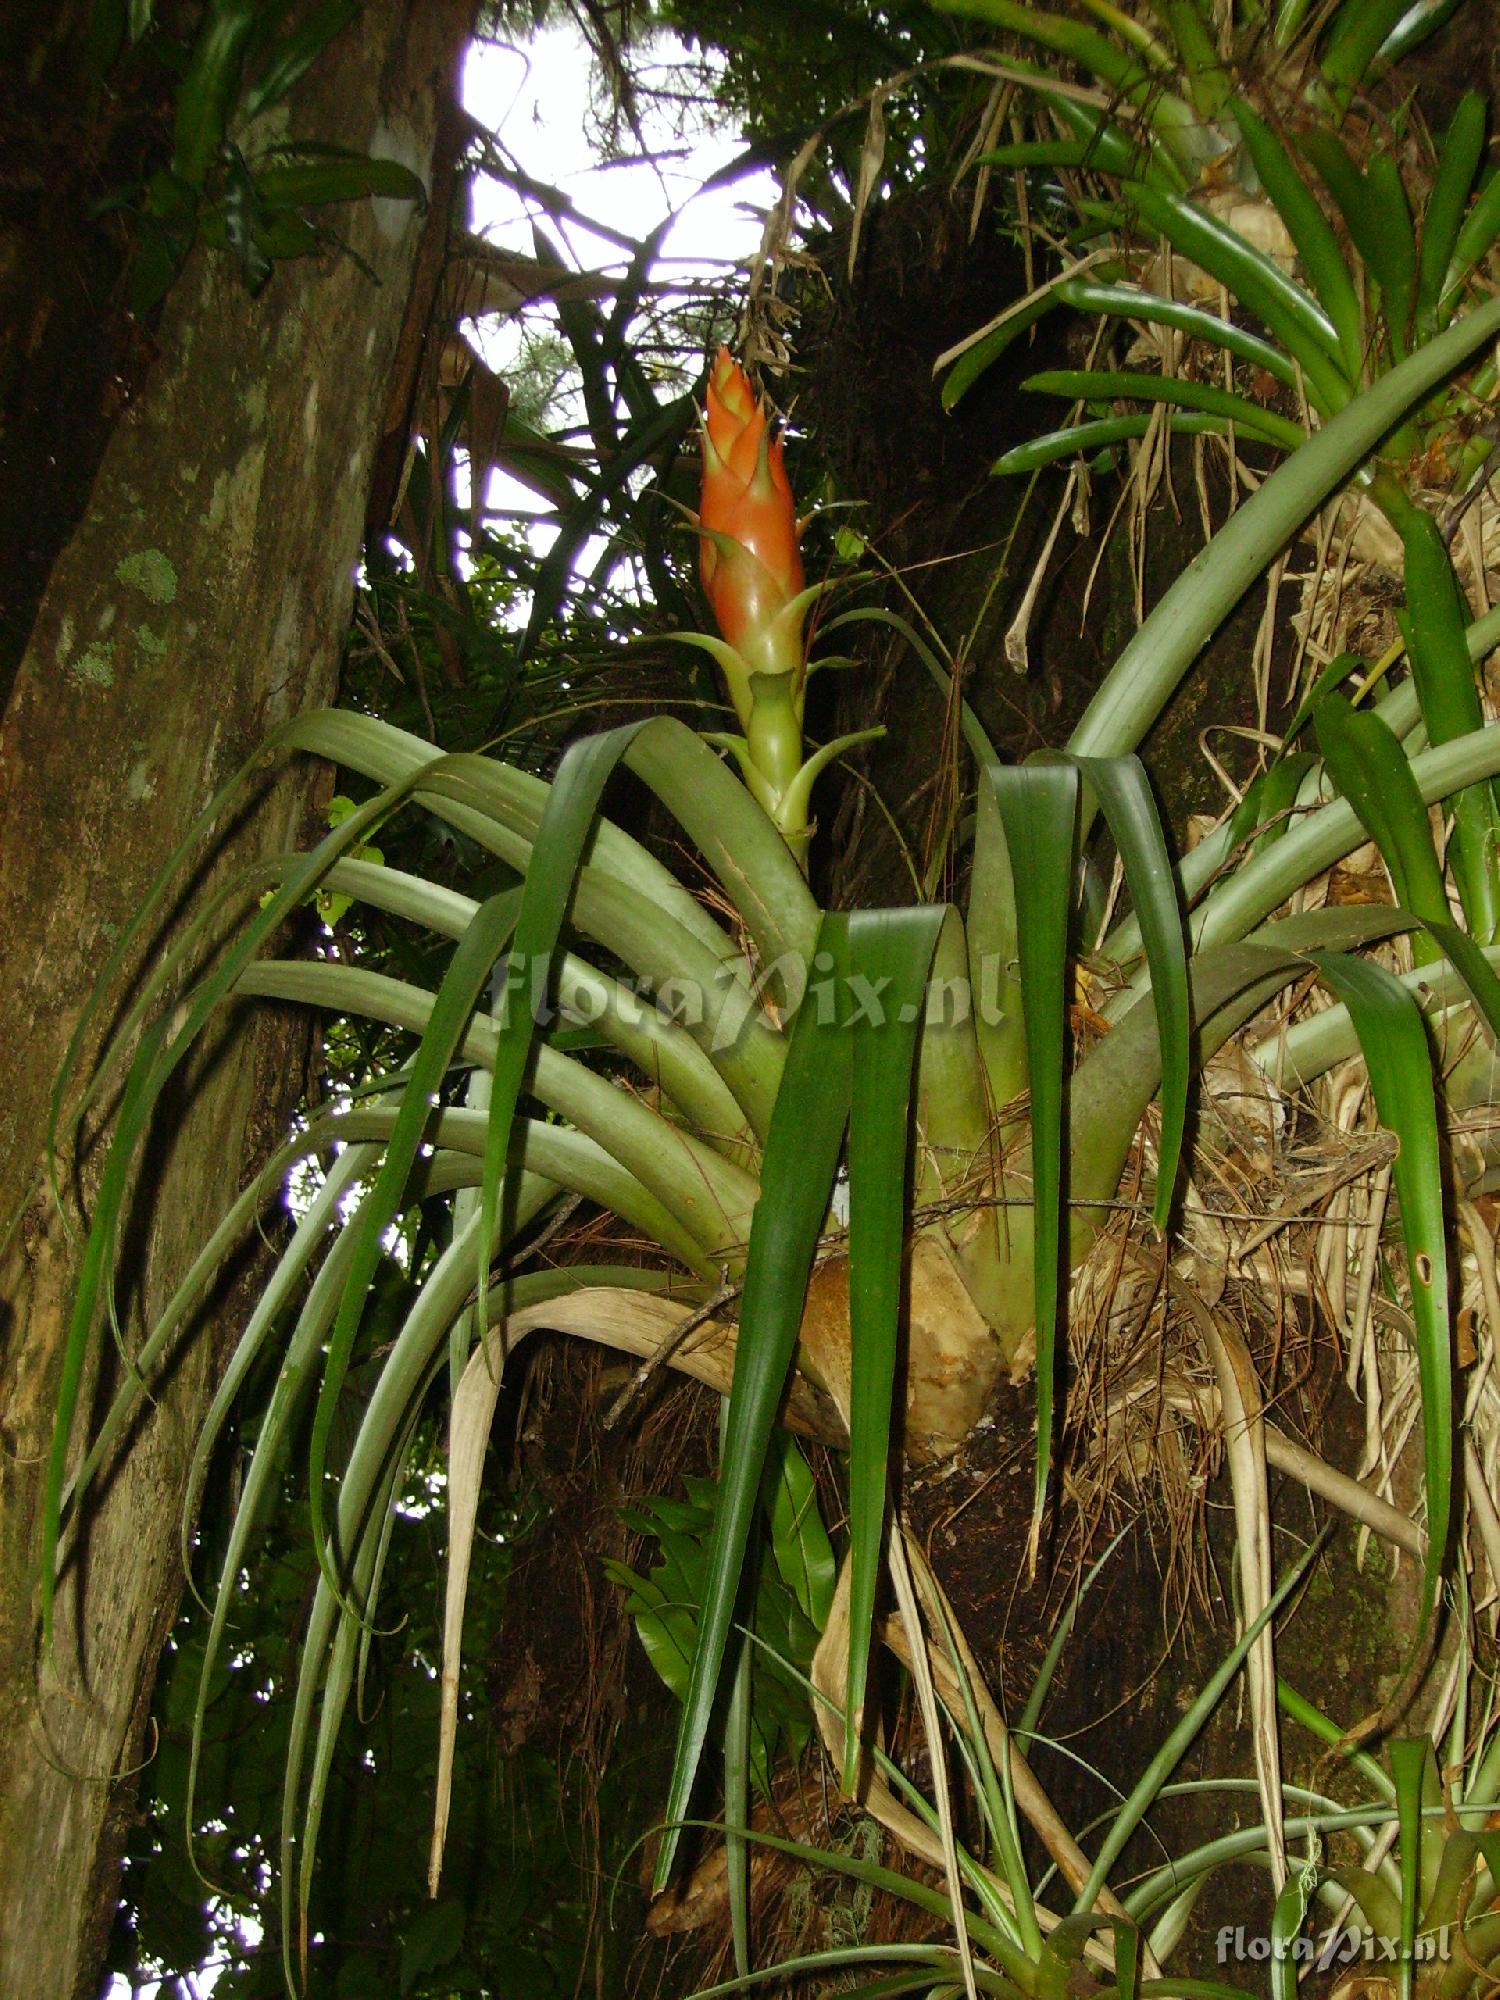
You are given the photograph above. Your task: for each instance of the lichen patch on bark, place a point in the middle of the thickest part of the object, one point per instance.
(149, 572)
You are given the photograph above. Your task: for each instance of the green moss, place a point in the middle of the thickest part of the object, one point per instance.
(149, 572)
(1378, 1563)
(95, 665)
(150, 642)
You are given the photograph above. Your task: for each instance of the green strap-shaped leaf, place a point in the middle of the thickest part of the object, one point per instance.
(1039, 809)
(1332, 676)
(464, 981)
(1312, 1719)
(1161, 1766)
(1459, 157)
(206, 95)
(344, 1173)
(267, 1460)
(1479, 230)
(1261, 813)
(1194, 31)
(1394, 1040)
(96, 1276)
(1421, 19)
(1113, 148)
(1025, 1725)
(1345, 182)
(1288, 18)
(152, 1069)
(990, 936)
(1359, 30)
(567, 821)
(294, 54)
(1456, 1858)
(802, 1150)
(236, 1223)
(1230, 982)
(1434, 1802)
(686, 1196)
(1286, 1923)
(1082, 440)
(737, 1761)
(1473, 967)
(1410, 1757)
(1325, 834)
(1434, 625)
(995, 1794)
(987, 350)
(1130, 302)
(1375, 1900)
(736, 839)
(1143, 678)
(1396, 268)
(1136, 34)
(1122, 788)
(1098, 385)
(1127, 153)
(311, 183)
(1375, 211)
(366, 1546)
(890, 952)
(1370, 768)
(1296, 319)
(1127, 1959)
(624, 897)
(1077, 43)
(515, 799)
(1038, 804)
(1308, 227)
(1174, 125)
(406, 1373)
(927, 1980)
(1044, 153)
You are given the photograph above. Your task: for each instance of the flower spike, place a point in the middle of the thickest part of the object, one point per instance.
(751, 567)
(750, 564)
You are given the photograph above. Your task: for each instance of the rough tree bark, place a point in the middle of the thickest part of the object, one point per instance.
(203, 595)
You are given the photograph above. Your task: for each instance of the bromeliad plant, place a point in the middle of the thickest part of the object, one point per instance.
(1397, 1886)
(1195, 209)
(228, 181)
(1184, 175)
(729, 1073)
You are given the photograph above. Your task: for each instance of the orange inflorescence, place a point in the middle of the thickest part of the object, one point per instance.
(751, 565)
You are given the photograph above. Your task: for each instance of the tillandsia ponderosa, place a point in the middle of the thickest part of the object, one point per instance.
(925, 1051)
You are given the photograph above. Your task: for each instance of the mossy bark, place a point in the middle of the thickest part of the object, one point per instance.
(202, 596)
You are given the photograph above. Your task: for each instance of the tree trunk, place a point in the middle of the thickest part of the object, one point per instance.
(202, 597)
